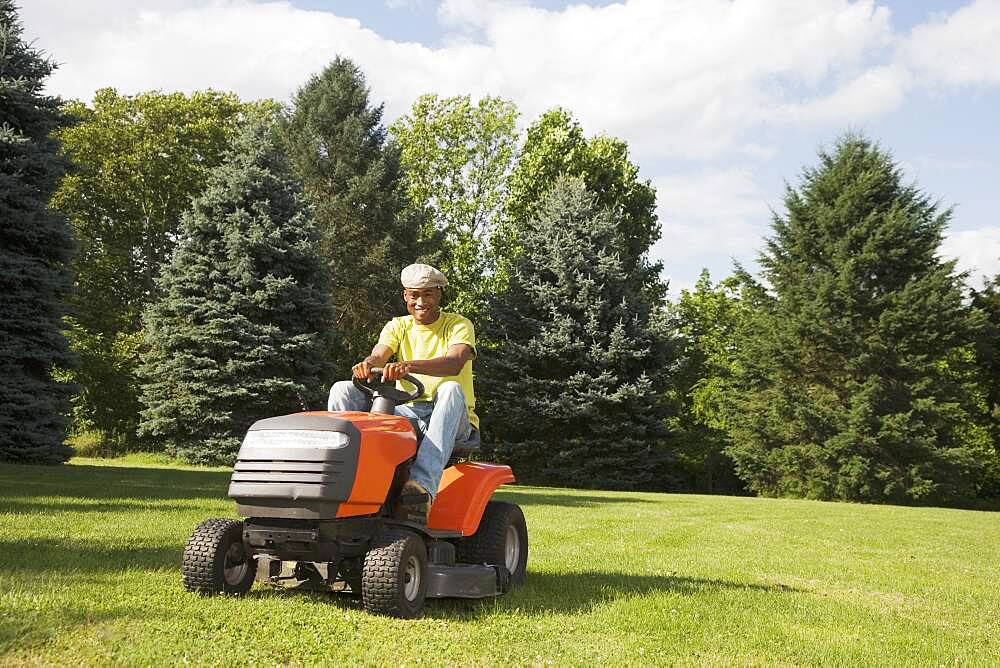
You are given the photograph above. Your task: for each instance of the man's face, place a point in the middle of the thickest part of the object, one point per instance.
(424, 304)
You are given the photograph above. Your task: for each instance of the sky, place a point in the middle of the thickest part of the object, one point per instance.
(723, 102)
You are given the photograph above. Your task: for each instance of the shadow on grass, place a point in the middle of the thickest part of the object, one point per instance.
(20, 483)
(545, 593)
(80, 505)
(65, 556)
(103, 482)
(574, 499)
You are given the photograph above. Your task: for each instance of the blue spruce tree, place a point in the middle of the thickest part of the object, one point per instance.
(572, 387)
(35, 246)
(242, 330)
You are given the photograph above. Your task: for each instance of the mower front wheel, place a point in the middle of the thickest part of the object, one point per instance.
(216, 561)
(394, 575)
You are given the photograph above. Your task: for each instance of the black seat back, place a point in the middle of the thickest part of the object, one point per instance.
(464, 449)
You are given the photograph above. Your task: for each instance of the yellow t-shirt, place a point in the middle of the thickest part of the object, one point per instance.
(410, 340)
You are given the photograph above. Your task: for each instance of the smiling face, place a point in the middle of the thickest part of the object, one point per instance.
(424, 304)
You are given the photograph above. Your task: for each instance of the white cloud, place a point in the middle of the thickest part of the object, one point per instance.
(709, 213)
(255, 49)
(685, 78)
(961, 48)
(977, 251)
(874, 92)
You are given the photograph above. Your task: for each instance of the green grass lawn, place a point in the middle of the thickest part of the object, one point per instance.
(90, 554)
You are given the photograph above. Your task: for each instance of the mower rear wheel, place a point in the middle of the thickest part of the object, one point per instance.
(216, 561)
(501, 540)
(394, 575)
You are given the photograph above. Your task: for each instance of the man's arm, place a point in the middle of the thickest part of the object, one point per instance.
(380, 355)
(449, 364)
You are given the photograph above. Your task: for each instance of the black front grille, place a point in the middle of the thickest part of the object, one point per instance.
(280, 471)
(328, 479)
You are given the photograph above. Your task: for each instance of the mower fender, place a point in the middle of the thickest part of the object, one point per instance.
(463, 493)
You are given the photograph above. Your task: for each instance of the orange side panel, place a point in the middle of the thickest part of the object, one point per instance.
(386, 441)
(463, 493)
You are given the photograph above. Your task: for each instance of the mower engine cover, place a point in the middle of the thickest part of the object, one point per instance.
(306, 465)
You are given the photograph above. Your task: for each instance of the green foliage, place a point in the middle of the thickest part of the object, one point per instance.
(708, 321)
(987, 352)
(106, 408)
(352, 176)
(35, 247)
(572, 389)
(242, 328)
(458, 156)
(854, 382)
(139, 161)
(555, 147)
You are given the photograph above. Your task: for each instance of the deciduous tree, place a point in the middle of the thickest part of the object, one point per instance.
(458, 156)
(139, 161)
(987, 301)
(555, 147)
(710, 320)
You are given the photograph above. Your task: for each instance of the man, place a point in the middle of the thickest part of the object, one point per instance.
(438, 347)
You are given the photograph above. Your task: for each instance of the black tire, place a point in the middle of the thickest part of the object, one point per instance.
(500, 540)
(216, 561)
(394, 575)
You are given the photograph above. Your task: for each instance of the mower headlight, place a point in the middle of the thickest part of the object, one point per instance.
(295, 438)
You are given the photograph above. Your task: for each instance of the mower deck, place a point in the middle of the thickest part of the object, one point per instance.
(443, 580)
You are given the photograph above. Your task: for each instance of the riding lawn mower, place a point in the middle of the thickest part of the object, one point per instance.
(319, 491)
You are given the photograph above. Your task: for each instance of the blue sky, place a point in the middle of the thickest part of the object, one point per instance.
(721, 101)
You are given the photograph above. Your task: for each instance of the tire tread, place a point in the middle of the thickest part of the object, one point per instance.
(380, 576)
(199, 564)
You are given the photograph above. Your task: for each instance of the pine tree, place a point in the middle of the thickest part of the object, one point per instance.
(35, 246)
(571, 393)
(242, 328)
(352, 176)
(854, 382)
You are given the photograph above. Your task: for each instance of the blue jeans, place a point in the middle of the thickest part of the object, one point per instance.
(443, 422)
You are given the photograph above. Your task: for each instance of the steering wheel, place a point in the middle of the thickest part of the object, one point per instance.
(376, 388)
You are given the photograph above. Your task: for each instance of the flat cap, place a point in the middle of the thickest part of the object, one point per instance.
(422, 276)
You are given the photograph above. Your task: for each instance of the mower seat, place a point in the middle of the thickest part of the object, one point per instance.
(462, 450)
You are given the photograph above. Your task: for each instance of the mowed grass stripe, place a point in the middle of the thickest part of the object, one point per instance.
(90, 554)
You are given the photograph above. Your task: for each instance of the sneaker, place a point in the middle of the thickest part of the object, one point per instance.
(414, 504)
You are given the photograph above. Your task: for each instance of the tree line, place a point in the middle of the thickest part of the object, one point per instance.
(174, 267)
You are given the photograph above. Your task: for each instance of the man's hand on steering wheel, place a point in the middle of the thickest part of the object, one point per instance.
(363, 369)
(393, 371)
